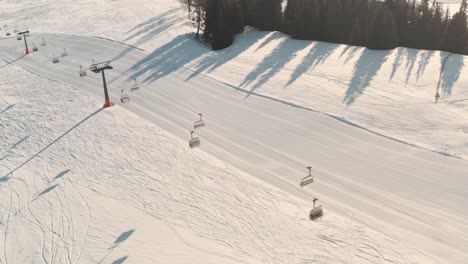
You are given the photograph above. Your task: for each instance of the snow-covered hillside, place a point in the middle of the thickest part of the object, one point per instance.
(85, 185)
(364, 120)
(389, 92)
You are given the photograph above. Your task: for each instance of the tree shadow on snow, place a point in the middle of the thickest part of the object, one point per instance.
(273, 63)
(4, 179)
(6, 109)
(124, 236)
(317, 54)
(61, 174)
(120, 260)
(416, 60)
(366, 68)
(451, 73)
(166, 59)
(14, 146)
(146, 30)
(120, 239)
(424, 59)
(217, 59)
(47, 190)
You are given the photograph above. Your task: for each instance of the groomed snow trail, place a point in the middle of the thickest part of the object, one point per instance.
(82, 184)
(409, 194)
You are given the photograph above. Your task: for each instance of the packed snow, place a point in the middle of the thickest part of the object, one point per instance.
(81, 184)
(87, 185)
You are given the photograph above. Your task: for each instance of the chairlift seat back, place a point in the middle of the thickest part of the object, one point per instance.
(35, 48)
(83, 73)
(134, 87)
(316, 213)
(55, 60)
(199, 124)
(194, 142)
(19, 37)
(306, 181)
(125, 99)
(8, 33)
(43, 43)
(64, 54)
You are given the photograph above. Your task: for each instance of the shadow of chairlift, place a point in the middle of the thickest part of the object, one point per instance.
(43, 42)
(200, 123)
(83, 72)
(55, 59)
(194, 141)
(124, 97)
(134, 86)
(307, 179)
(316, 213)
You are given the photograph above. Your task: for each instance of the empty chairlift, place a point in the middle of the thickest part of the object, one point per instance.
(307, 179)
(55, 59)
(43, 42)
(83, 72)
(93, 66)
(35, 47)
(124, 98)
(134, 86)
(200, 123)
(194, 141)
(64, 53)
(316, 213)
(8, 33)
(19, 37)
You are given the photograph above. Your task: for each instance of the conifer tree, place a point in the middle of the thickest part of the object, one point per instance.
(455, 40)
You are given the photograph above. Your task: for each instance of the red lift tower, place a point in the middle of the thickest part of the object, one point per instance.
(101, 67)
(25, 34)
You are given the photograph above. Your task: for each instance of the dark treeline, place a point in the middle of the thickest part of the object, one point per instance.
(375, 24)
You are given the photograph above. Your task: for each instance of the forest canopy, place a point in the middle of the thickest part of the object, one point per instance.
(376, 24)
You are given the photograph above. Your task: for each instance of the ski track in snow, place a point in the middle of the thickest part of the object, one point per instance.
(200, 199)
(264, 215)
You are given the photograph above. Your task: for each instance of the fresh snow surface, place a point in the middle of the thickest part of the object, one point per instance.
(365, 120)
(80, 184)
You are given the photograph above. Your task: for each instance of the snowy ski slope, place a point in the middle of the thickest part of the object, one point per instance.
(272, 107)
(85, 185)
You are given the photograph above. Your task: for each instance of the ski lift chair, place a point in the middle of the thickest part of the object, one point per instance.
(55, 59)
(135, 86)
(83, 72)
(124, 98)
(64, 53)
(199, 123)
(93, 66)
(316, 213)
(307, 179)
(8, 33)
(194, 141)
(19, 37)
(35, 47)
(43, 42)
